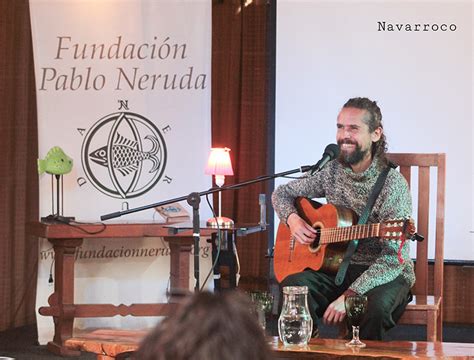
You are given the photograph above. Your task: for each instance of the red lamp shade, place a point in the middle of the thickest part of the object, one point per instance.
(219, 165)
(219, 162)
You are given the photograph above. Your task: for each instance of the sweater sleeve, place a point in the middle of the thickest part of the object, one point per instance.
(283, 198)
(395, 204)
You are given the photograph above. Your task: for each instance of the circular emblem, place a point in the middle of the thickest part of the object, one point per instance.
(124, 155)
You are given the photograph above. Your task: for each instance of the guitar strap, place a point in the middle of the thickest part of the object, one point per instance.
(351, 248)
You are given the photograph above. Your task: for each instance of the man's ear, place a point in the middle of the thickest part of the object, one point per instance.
(376, 134)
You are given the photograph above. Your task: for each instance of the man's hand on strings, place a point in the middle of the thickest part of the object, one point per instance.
(302, 232)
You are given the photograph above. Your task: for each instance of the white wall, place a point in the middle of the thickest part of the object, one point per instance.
(329, 51)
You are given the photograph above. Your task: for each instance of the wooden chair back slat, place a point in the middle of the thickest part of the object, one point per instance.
(421, 268)
(439, 249)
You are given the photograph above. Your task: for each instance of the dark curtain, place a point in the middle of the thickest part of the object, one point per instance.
(242, 119)
(18, 153)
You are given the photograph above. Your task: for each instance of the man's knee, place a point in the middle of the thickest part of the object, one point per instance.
(377, 312)
(377, 321)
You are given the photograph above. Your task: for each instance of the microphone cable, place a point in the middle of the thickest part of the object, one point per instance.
(219, 242)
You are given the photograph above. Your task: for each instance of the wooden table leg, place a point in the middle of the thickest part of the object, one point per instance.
(180, 249)
(61, 302)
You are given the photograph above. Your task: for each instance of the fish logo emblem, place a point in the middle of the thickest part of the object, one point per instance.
(124, 155)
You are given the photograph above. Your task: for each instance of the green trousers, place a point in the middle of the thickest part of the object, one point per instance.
(386, 303)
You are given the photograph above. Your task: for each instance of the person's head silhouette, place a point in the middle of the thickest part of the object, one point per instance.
(208, 327)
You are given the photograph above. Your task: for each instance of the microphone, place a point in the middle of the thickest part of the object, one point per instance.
(330, 153)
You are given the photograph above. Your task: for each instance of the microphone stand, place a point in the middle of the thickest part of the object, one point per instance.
(194, 198)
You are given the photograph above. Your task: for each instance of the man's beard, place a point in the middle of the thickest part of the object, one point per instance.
(351, 158)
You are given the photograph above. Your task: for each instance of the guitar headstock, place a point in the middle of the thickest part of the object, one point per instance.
(397, 230)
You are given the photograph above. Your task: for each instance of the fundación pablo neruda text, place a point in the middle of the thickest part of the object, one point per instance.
(84, 76)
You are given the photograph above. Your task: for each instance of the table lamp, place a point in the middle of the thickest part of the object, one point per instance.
(219, 165)
(56, 163)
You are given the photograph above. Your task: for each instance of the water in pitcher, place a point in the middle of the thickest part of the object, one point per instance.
(295, 323)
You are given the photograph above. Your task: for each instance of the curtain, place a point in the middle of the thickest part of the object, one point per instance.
(242, 120)
(18, 153)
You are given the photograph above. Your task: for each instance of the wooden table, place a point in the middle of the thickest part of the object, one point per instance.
(336, 349)
(111, 344)
(66, 239)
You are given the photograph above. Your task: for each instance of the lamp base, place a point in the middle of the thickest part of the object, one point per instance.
(220, 221)
(57, 219)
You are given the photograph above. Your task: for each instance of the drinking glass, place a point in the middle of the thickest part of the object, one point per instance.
(263, 302)
(356, 307)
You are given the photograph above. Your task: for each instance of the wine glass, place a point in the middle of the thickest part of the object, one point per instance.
(356, 307)
(263, 302)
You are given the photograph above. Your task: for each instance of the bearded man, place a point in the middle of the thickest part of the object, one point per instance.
(375, 269)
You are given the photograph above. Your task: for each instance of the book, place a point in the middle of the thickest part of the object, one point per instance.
(173, 213)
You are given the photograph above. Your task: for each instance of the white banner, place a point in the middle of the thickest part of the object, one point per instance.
(123, 87)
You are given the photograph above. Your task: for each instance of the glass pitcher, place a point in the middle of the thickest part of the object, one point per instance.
(295, 323)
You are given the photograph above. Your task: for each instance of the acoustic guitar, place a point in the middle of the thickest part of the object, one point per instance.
(335, 228)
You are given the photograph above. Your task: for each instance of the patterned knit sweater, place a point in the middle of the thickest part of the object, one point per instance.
(341, 186)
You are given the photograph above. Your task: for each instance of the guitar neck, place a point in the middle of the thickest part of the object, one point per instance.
(342, 234)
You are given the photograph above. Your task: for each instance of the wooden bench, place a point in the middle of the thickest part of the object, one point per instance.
(117, 344)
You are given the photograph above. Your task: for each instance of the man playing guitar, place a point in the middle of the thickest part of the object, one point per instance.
(379, 269)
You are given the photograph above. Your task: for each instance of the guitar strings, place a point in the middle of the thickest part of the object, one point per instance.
(328, 235)
(353, 228)
(340, 234)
